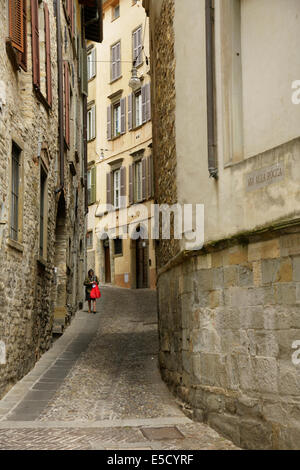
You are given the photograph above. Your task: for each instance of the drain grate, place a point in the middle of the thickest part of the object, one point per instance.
(160, 434)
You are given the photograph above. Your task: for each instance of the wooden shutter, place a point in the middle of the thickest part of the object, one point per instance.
(108, 188)
(144, 103)
(139, 46)
(148, 102)
(123, 115)
(131, 184)
(130, 98)
(93, 185)
(123, 186)
(16, 25)
(150, 176)
(109, 123)
(48, 55)
(144, 180)
(35, 43)
(67, 101)
(135, 49)
(113, 63)
(118, 59)
(23, 55)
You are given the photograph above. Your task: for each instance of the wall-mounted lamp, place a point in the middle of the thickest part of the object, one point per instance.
(134, 82)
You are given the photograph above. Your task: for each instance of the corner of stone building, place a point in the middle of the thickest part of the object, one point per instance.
(227, 328)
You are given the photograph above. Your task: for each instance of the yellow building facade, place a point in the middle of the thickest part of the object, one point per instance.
(120, 176)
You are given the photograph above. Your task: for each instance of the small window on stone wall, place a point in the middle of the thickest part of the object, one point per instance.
(118, 246)
(89, 240)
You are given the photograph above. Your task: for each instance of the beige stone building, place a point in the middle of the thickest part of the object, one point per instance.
(226, 134)
(43, 95)
(120, 150)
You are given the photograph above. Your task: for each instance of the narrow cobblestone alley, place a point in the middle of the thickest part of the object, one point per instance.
(99, 387)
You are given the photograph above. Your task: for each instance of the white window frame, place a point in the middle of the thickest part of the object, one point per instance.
(117, 188)
(91, 64)
(91, 123)
(138, 121)
(117, 119)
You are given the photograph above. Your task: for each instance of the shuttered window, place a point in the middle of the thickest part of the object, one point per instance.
(123, 115)
(137, 53)
(91, 123)
(16, 24)
(116, 61)
(146, 103)
(108, 189)
(138, 181)
(91, 185)
(150, 177)
(91, 64)
(116, 119)
(123, 186)
(67, 102)
(48, 55)
(130, 184)
(23, 55)
(35, 43)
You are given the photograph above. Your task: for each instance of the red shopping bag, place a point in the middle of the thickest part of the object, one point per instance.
(95, 292)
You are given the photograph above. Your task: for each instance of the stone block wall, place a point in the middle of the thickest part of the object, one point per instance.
(27, 283)
(163, 118)
(227, 328)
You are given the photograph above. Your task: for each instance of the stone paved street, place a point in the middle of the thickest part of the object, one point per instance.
(99, 387)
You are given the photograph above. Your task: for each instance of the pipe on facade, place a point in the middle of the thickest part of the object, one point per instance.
(60, 93)
(210, 79)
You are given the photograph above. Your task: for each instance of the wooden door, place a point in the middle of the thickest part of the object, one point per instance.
(141, 264)
(107, 263)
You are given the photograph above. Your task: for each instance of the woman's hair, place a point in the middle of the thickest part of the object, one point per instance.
(90, 271)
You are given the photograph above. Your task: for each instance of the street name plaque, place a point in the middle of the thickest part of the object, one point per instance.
(259, 178)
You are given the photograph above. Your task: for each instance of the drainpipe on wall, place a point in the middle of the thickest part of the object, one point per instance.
(60, 94)
(210, 82)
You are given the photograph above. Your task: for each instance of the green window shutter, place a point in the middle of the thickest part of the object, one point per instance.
(83, 74)
(93, 185)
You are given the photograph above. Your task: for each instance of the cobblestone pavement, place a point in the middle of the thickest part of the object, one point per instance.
(99, 387)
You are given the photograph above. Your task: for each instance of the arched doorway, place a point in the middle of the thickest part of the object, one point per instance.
(142, 258)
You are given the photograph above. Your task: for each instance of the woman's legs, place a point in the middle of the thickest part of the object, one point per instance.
(89, 302)
(94, 306)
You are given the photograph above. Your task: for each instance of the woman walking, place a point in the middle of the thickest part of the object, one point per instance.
(90, 282)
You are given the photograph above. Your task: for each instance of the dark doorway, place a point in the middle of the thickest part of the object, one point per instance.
(107, 261)
(141, 260)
